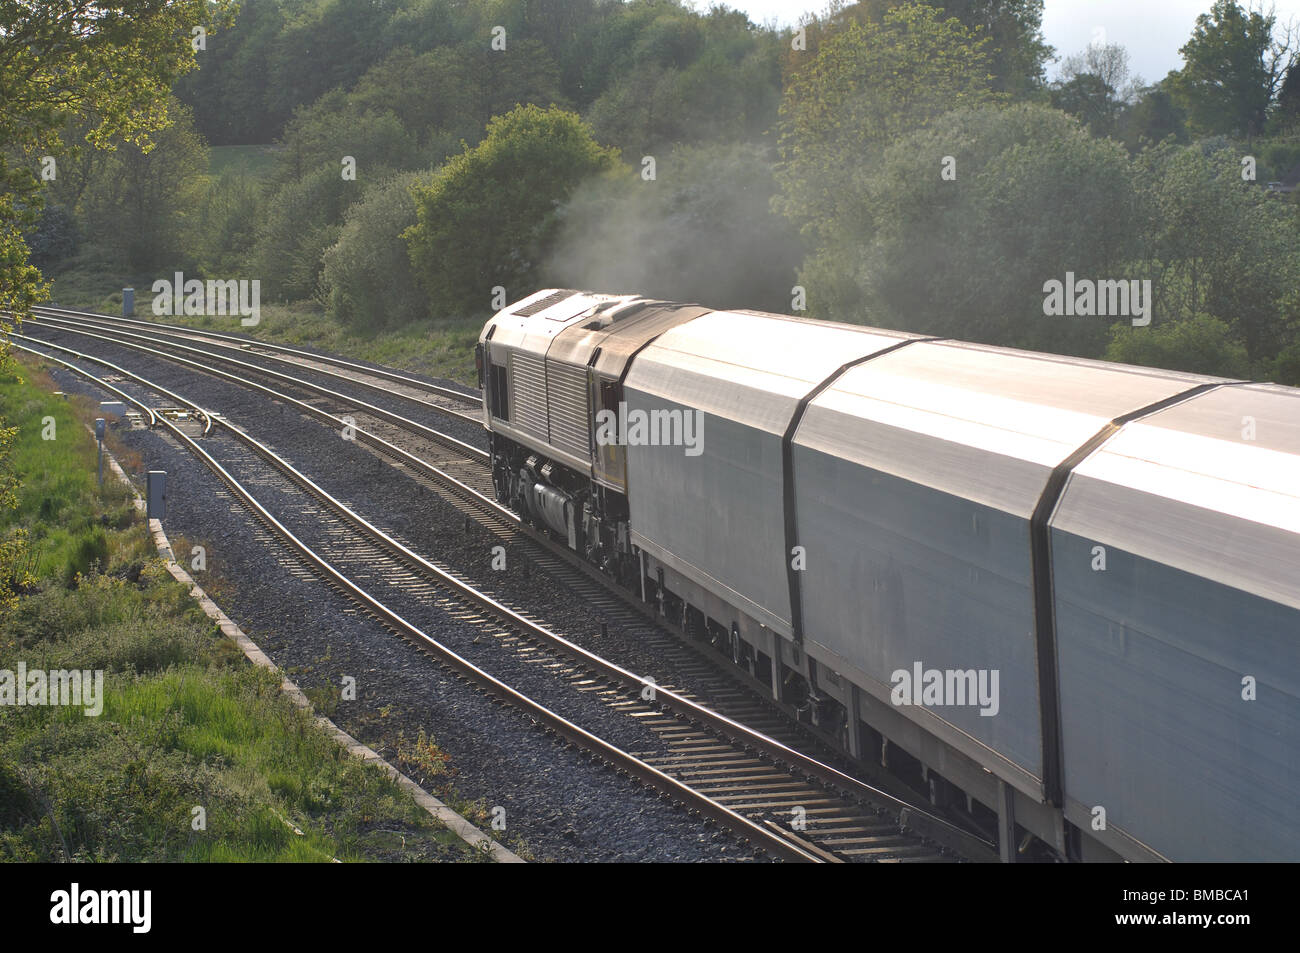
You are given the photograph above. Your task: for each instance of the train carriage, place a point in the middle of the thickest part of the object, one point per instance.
(862, 503)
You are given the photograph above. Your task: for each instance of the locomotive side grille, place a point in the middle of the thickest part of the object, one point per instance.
(528, 394)
(570, 413)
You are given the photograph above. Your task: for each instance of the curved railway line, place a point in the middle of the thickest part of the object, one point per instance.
(732, 753)
(378, 379)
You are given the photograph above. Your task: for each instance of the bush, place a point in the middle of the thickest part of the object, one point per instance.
(302, 219)
(367, 281)
(227, 222)
(1285, 368)
(1034, 197)
(488, 216)
(1198, 345)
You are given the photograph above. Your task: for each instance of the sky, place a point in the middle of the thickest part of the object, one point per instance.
(1151, 30)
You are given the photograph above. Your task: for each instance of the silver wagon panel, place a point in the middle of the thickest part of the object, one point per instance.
(915, 478)
(1196, 512)
(719, 517)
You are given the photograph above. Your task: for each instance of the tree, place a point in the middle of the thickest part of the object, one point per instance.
(55, 237)
(428, 92)
(1091, 100)
(1095, 86)
(327, 44)
(301, 220)
(336, 126)
(1232, 69)
(1285, 369)
(1155, 116)
(1217, 245)
(110, 60)
(869, 84)
(229, 94)
(1108, 62)
(1287, 116)
(691, 80)
(1034, 196)
(487, 217)
(227, 220)
(366, 280)
(1200, 344)
(448, 94)
(1018, 53)
(143, 202)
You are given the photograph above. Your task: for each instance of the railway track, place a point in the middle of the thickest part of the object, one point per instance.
(374, 555)
(710, 750)
(379, 380)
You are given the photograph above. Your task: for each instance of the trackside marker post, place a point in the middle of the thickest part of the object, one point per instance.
(99, 442)
(156, 495)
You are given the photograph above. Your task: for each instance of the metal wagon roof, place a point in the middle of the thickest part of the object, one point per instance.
(987, 424)
(1210, 486)
(751, 367)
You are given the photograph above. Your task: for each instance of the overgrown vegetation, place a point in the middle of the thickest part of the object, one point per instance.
(383, 170)
(186, 722)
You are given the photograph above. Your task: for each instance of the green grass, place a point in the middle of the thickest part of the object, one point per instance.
(90, 281)
(186, 724)
(257, 161)
(440, 349)
(68, 519)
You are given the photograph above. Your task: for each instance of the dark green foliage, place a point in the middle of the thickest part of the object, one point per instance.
(229, 92)
(487, 217)
(301, 220)
(1199, 344)
(1287, 115)
(1155, 117)
(1218, 245)
(55, 238)
(368, 282)
(334, 127)
(1232, 70)
(868, 85)
(141, 203)
(1091, 100)
(227, 222)
(1034, 197)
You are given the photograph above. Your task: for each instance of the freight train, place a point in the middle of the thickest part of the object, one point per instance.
(1059, 596)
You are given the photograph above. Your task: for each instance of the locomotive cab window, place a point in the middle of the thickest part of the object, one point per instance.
(498, 397)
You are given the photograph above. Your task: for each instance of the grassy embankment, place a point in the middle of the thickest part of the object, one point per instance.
(187, 722)
(437, 349)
